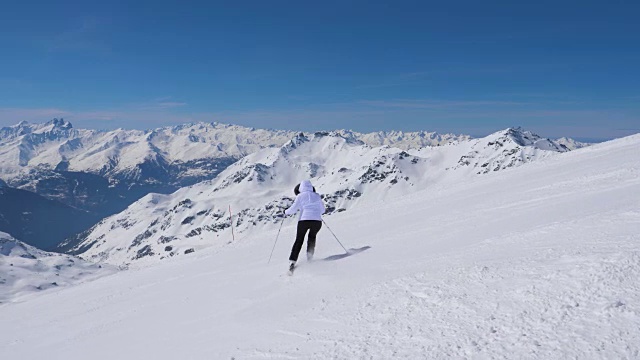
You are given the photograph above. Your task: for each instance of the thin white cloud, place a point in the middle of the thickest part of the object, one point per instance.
(171, 104)
(436, 104)
(163, 103)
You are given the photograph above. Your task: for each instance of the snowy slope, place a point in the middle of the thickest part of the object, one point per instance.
(348, 174)
(26, 270)
(539, 261)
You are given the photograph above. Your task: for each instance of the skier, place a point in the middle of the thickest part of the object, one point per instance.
(311, 209)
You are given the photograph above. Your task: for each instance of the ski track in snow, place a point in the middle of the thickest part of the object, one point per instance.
(539, 262)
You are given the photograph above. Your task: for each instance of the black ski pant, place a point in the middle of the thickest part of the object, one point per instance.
(313, 226)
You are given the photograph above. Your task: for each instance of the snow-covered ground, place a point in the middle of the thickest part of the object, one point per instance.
(540, 261)
(25, 270)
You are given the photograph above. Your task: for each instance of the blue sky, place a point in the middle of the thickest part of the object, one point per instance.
(560, 68)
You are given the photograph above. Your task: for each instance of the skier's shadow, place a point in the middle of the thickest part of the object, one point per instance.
(348, 253)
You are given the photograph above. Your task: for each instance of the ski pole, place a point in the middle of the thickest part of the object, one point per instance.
(274, 244)
(334, 235)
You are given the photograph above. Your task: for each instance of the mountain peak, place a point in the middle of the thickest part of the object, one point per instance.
(522, 136)
(296, 141)
(60, 123)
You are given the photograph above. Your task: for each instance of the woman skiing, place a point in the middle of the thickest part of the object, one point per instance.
(311, 209)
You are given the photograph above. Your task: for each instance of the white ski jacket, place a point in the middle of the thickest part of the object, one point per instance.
(308, 202)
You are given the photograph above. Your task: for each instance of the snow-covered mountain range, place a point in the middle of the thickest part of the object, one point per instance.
(253, 191)
(105, 171)
(176, 155)
(179, 155)
(404, 140)
(25, 269)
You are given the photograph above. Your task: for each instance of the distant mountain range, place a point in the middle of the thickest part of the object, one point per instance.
(100, 173)
(348, 173)
(105, 171)
(179, 155)
(56, 160)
